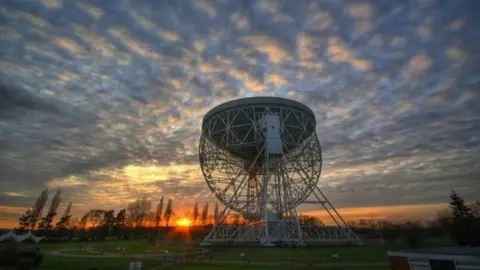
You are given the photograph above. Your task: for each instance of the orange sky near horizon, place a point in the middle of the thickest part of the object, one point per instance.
(396, 213)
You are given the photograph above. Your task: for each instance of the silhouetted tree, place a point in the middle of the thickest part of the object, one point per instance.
(95, 216)
(414, 234)
(458, 206)
(158, 213)
(65, 218)
(390, 232)
(195, 214)
(38, 209)
(204, 216)
(463, 228)
(109, 221)
(236, 218)
(82, 223)
(24, 220)
(475, 207)
(121, 218)
(46, 222)
(66, 224)
(168, 212)
(443, 222)
(314, 221)
(138, 210)
(216, 214)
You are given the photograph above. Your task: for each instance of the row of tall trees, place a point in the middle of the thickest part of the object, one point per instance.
(460, 221)
(137, 214)
(34, 219)
(203, 215)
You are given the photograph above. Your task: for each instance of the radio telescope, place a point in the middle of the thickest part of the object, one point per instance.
(261, 158)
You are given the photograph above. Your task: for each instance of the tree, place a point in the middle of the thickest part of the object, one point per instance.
(109, 221)
(204, 216)
(463, 224)
(65, 218)
(66, 223)
(216, 214)
(24, 220)
(195, 214)
(390, 232)
(158, 213)
(121, 218)
(458, 206)
(46, 222)
(414, 234)
(315, 221)
(95, 216)
(150, 219)
(82, 223)
(236, 218)
(138, 210)
(38, 209)
(168, 211)
(443, 221)
(475, 207)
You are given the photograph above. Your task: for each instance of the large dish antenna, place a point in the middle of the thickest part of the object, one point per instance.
(261, 157)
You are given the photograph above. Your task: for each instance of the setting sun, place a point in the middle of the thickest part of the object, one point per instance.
(183, 222)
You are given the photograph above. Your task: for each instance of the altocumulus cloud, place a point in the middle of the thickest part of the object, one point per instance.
(104, 99)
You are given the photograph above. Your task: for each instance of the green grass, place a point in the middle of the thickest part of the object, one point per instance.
(224, 259)
(71, 263)
(230, 257)
(273, 267)
(131, 247)
(62, 245)
(317, 254)
(81, 252)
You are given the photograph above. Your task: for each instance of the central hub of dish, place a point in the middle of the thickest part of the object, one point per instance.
(241, 127)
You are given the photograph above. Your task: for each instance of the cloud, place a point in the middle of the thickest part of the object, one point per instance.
(15, 194)
(106, 100)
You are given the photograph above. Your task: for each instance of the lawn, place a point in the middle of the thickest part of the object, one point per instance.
(223, 258)
(81, 252)
(317, 254)
(71, 263)
(131, 247)
(273, 267)
(261, 254)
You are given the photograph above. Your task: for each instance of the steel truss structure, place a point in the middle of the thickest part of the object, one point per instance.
(266, 188)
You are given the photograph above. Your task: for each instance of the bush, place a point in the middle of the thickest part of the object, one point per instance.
(9, 254)
(414, 239)
(38, 259)
(25, 264)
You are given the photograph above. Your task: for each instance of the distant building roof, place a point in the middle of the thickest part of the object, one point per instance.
(469, 255)
(9, 236)
(465, 251)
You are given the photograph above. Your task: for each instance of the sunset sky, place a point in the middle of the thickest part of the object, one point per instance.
(104, 99)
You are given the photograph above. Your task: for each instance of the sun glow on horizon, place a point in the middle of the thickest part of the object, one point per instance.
(183, 222)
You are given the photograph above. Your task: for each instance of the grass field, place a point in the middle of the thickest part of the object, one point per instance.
(71, 263)
(250, 267)
(222, 258)
(131, 247)
(319, 254)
